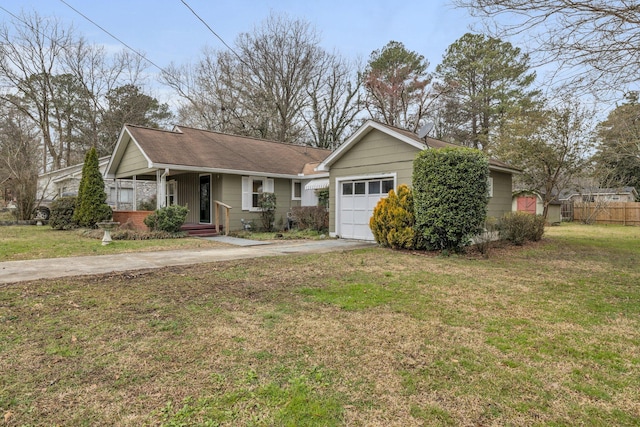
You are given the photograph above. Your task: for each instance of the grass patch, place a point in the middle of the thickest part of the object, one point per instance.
(32, 242)
(546, 334)
(294, 234)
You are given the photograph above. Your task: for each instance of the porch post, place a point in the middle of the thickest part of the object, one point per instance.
(135, 194)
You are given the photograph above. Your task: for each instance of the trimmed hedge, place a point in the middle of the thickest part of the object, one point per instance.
(450, 191)
(393, 219)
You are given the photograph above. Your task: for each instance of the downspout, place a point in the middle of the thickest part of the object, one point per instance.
(162, 190)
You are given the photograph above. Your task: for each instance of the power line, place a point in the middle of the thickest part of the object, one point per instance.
(113, 37)
(211, 29)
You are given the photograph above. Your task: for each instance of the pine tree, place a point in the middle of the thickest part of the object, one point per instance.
(91, 206)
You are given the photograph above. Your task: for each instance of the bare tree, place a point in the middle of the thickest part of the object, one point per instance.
(550, 146)
(19, 157)
(60, 82)
(335, 99)
(276, 83)
(598, 41)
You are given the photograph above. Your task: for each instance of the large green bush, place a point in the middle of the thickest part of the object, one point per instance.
(61, 213)
(91, 206)
(519, 227)
(169, 218)
(450, 194)
(393, 219)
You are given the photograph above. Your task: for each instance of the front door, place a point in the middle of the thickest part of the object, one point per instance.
(205, 199)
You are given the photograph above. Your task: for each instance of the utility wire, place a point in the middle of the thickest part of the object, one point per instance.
(211, 29)
(114, 37)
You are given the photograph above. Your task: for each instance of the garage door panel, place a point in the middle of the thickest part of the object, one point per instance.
(356, 206)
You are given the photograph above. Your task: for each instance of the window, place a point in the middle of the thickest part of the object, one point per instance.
(126, 195)
(360, 187)
(172, 193)
(387, 185)
(347, 188)
(374, 187)
(296, 190)
(490, 187)
(252, 187)
(588, 199)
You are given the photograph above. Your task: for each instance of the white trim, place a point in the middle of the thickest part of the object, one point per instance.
(490, 186)
(227, 171)
(338, 193)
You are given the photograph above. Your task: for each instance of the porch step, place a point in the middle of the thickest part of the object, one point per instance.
(200, 230)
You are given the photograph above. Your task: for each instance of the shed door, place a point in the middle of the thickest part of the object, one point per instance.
(527, 204)
(358, 198)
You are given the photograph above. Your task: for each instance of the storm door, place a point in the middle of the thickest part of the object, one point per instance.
(205, 199)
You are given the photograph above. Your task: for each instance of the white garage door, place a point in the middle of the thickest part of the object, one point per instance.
(357, 200)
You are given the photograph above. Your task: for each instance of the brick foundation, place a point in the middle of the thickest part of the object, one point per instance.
(134, 218)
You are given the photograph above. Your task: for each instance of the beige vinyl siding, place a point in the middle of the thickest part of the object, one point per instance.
(500, 203)
(132, 163)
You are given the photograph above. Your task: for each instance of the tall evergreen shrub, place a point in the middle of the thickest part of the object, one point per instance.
(450, 193)
(91, 205)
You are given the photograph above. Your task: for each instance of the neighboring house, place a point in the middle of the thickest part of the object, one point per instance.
(533, 203)
(592, 195)
(207, 170)
(377, 158)
(66, 181)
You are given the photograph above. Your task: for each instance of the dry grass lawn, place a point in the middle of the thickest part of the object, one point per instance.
(546, 334)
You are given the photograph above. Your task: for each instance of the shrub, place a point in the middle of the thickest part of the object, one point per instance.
(323, 197)
(168, 219)
(91, 206)
(311, 217)
(61, 216)
(450, 196)
(519, 227)
(267, 205)
(393, 220)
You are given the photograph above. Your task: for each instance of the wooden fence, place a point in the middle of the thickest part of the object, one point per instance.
(607, 213)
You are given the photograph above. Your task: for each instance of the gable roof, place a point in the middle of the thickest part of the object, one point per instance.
(403, 136)
(186, 148)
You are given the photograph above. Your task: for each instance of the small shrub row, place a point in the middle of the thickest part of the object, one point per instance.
(129, 234)
(311, 218)
(520, 227)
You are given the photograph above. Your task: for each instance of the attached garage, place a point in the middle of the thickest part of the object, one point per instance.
(358, 198)
(376, 159)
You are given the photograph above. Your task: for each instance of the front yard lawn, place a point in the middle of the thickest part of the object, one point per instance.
(546, 334)
(32, 242)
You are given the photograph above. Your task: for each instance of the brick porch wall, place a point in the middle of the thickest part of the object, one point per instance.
(134, 218)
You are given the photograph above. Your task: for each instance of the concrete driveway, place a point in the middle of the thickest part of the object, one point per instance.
(51, 268)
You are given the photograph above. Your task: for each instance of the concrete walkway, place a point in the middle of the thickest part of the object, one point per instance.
(51, 268)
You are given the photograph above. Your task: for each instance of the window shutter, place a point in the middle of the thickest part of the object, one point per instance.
(268, 185)
(246, 193)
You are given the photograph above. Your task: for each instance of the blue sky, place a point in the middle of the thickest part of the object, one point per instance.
(165, 30)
